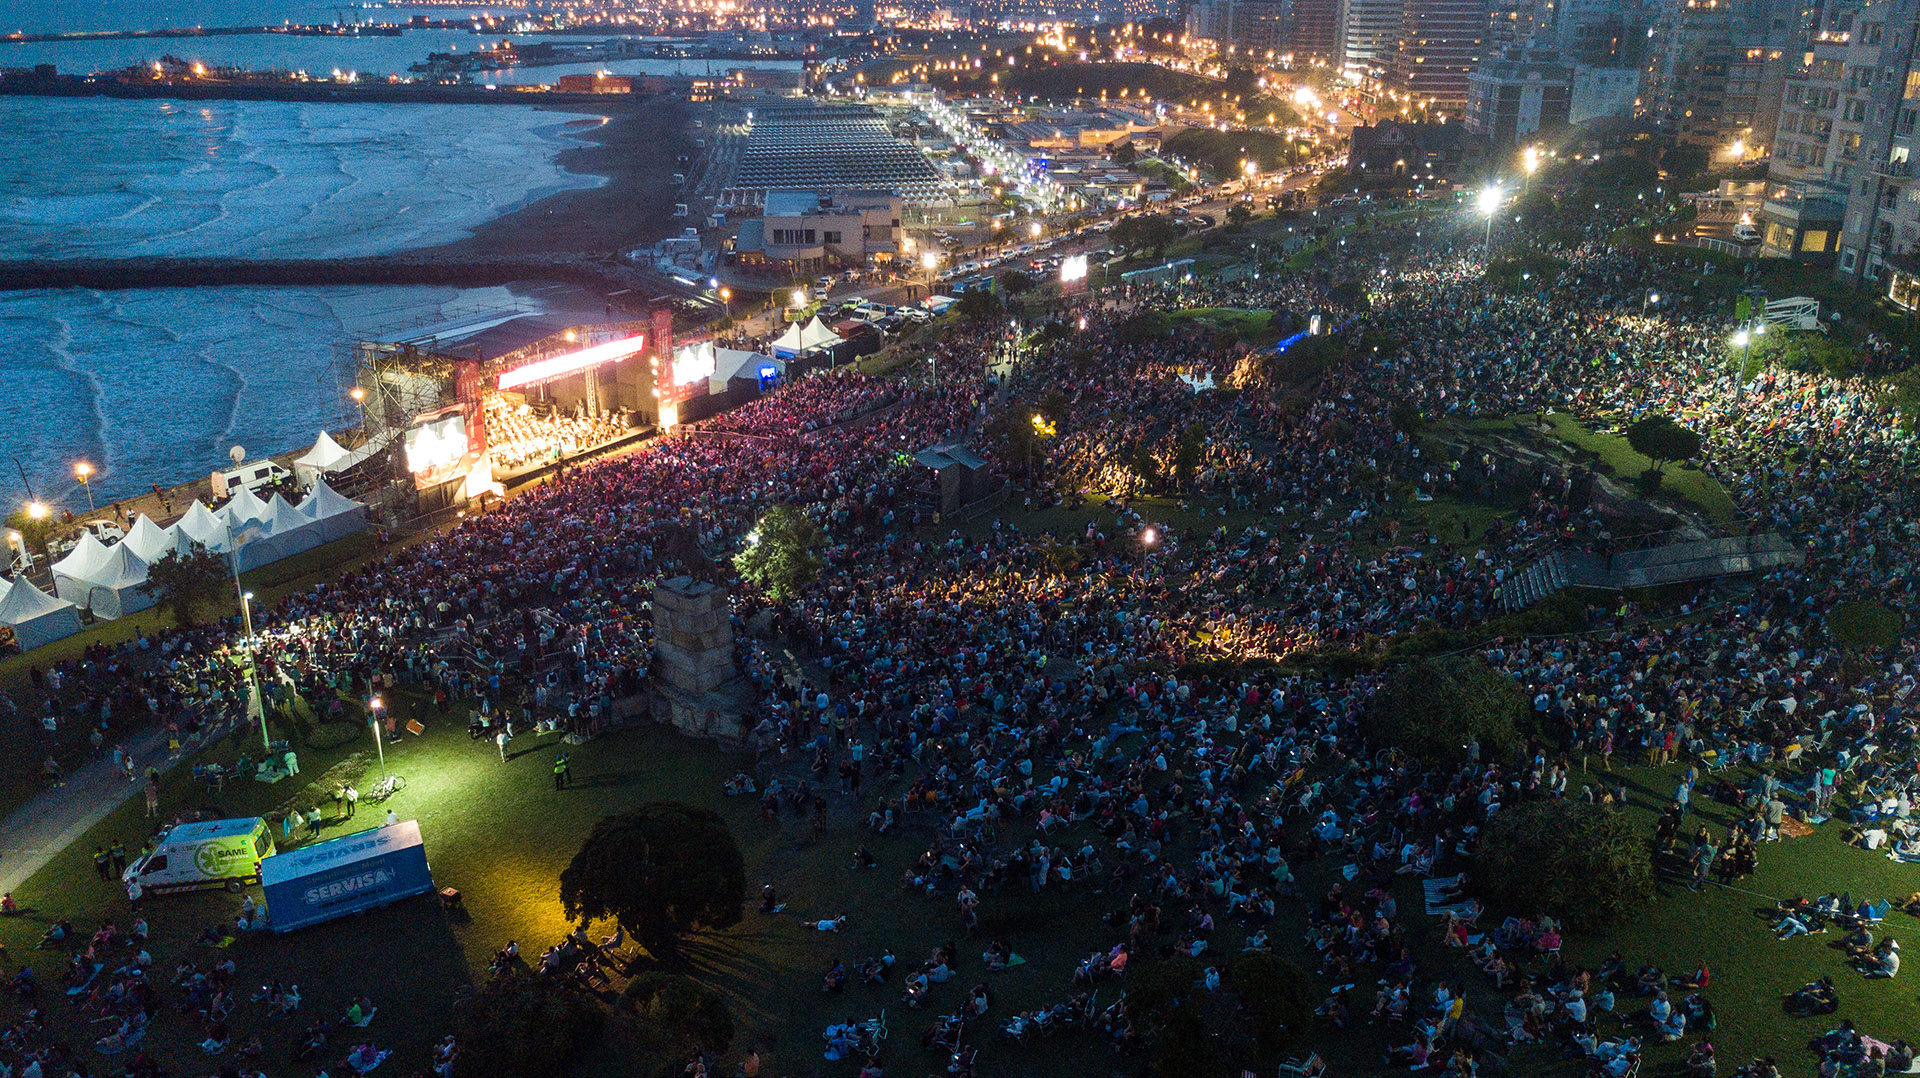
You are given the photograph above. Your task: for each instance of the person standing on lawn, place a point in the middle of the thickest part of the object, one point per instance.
(562, 771)
(351, 797)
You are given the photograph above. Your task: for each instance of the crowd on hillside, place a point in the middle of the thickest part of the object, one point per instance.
(1025, 686)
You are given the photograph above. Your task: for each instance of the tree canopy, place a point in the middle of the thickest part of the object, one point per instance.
(185, 583)
(1434, 707)
(663, 871)
(1151, 232)
(1864, 625)
(1663, 441)
(1566, 858)
(782, 554)
(518, 1026)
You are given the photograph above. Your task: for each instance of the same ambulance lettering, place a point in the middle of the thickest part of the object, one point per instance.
(346, 888)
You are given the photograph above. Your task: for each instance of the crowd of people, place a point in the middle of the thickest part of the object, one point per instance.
(1047, 707)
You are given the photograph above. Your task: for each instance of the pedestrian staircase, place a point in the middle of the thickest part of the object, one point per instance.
(1674, 563)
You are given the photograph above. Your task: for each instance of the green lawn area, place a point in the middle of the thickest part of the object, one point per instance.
(1690, 484)
(21, 745)
(501, 834)
(1247, 325)
(1682, 483)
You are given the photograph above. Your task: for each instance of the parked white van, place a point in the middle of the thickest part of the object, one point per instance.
(202, 855)
(252, 475)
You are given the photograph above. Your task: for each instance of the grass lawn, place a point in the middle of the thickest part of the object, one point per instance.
(1682, 483)
(501, 834)
(1247, 325)
(22, 746)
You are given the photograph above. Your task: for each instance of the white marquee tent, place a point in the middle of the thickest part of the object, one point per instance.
(200, 525)
(324, 457)
(285, 531)
(244, 508)
(338, 515)
(731, 363)
(149, 540)
(117, 587)
(36, 617)
(71, 573)
(799, 340)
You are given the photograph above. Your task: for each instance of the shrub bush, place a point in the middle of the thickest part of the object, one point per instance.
(1432, 708)
(1567, 858)
(681, 1011)
(518, 1026)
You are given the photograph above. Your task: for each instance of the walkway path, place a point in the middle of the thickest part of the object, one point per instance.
(34, 833)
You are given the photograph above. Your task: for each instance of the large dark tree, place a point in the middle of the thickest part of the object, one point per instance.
(519, 1026)
(185, 583)
(782, 554)
(663, 871)
(1567, 858)
(1433, 708)
(1663, 441)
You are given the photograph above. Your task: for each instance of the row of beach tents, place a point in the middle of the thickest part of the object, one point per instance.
(110, 580)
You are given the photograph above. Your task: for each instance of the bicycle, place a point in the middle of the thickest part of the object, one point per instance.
(386, 788)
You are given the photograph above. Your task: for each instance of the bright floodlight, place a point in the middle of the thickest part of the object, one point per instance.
(930, 260)
(1740, 339)
(1532, 159)
(37, 510)
(799, 297)
(1490, 200)
(1034, 230)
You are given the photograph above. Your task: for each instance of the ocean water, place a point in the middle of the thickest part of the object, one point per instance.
(156, 385)
(266, 179)
(65, 16)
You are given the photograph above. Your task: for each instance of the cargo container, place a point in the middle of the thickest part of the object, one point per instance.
(350, 874)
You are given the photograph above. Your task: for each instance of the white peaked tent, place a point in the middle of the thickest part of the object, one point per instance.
(286, 531)
(118, 586)
(731, 363)
(200, 525)
(36, 617)
(149, 540)
(71, 573)
(338, 516)
(242, 509)
(324, 457)
(798, 340)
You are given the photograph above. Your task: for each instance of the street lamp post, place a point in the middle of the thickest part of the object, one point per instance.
(1489, 204)
(84, 472)
(374, 707)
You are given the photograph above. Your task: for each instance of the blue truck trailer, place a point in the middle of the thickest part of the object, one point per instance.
(350, 874)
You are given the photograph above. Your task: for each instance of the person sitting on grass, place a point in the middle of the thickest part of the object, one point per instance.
(1884, 961)
(366, 1056)
(1814, 998)
(835, 979)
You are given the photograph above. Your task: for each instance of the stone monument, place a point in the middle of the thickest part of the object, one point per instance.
(693, 672)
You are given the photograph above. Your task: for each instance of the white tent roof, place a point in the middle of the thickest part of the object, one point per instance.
(366, 449)
(244, 506)
(324, 455)
(790, 340)
(731, 363)
(5, 586)
(23, 602)
(86, 557)
(282, 517)
(148, 539)
(201, 526)
(122, 569)
(323, 501)
(817, 335)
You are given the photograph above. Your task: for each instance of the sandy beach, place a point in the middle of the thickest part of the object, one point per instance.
(638, 150)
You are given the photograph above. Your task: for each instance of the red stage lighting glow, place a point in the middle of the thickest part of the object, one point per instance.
(546, 369)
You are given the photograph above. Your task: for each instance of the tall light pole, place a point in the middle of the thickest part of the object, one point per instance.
(1530, 161)
(374, 707)
(1490, 199)
(84, 472)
